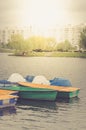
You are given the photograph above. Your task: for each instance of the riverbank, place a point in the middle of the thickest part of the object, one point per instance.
(53, 54)
(43, 54)
(5, 50)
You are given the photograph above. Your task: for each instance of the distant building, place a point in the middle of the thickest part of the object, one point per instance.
(5, 34)
(69, 32)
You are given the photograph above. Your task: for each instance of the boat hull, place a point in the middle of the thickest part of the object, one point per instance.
(67, 94)
(38, 95)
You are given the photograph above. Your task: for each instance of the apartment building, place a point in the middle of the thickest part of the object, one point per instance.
(69, 32)
(5, 33)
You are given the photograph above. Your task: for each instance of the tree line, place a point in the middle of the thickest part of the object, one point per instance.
(39, 43)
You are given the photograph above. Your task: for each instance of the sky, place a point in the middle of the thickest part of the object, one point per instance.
(42, 13)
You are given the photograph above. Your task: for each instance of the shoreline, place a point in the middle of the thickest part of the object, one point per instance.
(52, 54)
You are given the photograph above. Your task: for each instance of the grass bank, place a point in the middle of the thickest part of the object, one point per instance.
(53, 54)
(69, 54)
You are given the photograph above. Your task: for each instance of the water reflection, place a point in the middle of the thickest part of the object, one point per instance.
(7, 111)
(71, 100)
(36, 105)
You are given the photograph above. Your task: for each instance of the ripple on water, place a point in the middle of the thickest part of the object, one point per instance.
(39, 115)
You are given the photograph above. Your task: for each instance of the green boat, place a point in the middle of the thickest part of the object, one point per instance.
(62, 92)
(33, 93)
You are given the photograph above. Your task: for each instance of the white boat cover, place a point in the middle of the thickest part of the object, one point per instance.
(15, 77)
(41, 80)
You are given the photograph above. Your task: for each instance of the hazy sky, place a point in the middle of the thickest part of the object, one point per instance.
(42, 13)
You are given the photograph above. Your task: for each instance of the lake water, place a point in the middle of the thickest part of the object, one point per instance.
(44, 115)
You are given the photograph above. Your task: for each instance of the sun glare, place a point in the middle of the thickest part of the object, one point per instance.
(44, 13)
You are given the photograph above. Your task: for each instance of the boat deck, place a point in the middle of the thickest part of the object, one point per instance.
(3, 97)
(57, 88)
(4, 92)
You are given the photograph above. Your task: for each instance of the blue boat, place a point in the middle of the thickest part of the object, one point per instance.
(7, 100)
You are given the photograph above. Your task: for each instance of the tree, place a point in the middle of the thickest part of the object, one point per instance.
(51, 44)
(64, 46)
(16, 42)
(36, 43)
(82, 42)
